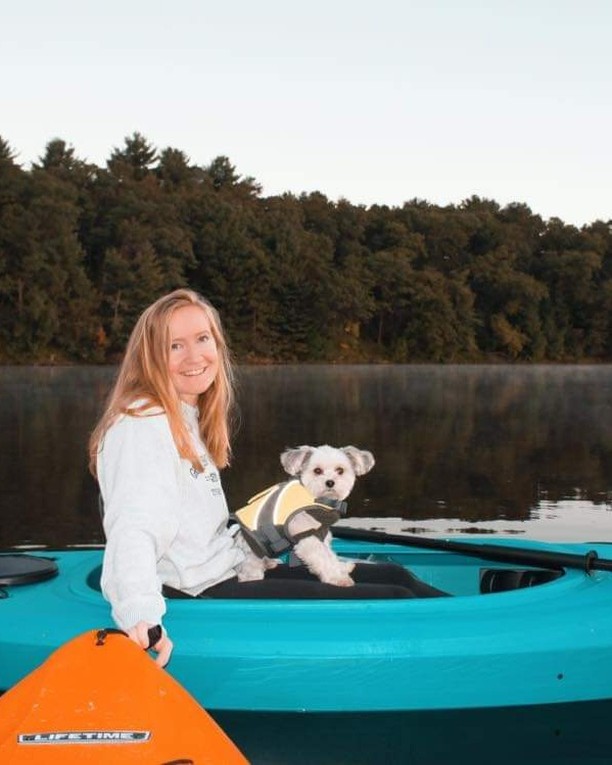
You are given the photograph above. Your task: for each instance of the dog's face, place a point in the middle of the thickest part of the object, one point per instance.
(325, 470)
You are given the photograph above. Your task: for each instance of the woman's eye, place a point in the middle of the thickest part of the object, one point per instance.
(203, 338)
(175, 346)
(317, 471)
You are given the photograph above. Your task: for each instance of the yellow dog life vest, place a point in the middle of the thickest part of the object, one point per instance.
(264, 519)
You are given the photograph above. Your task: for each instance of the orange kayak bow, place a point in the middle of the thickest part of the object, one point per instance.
(100, 699)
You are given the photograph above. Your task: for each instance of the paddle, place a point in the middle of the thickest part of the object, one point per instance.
(506, 554)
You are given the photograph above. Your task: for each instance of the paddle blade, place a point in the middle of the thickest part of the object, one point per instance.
(105, 701)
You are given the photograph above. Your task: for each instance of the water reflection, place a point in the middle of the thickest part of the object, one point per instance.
(563, 521)
(46, 494)
(493, 448)
(473, 443)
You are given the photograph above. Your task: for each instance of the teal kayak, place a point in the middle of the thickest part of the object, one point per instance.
(510, 635)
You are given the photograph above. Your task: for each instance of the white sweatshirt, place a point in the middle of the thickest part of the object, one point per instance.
(165, 523)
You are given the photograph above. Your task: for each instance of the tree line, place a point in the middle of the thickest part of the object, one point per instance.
(83, 249)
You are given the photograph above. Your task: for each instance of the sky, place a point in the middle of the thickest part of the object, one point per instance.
(377, 102)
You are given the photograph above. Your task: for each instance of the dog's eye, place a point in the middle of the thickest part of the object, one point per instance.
(317, 471)
(340, 471)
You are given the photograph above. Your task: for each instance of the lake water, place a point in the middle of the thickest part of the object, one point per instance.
(509, 450)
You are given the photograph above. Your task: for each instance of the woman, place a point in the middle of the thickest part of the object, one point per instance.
(156, 453)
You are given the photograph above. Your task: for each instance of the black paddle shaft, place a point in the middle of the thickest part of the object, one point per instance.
(541, 558)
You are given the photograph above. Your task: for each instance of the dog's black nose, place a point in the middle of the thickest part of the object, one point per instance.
(330, 483)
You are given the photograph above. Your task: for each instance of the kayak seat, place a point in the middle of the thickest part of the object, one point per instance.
(507, 579)
(25, 569)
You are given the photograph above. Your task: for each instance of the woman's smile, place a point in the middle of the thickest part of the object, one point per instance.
(193, 359)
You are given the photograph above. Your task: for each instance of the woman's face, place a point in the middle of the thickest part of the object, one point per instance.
(193, 360)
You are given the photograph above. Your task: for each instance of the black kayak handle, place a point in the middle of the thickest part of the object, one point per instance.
(154, 635)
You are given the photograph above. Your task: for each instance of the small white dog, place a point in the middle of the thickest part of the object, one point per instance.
(328, 474)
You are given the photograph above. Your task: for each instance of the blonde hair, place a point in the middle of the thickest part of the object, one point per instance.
(144, 378)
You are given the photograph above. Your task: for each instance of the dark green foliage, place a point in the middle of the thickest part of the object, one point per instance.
(47, 303)
(83, 249)
(134, 160)
(7, 154)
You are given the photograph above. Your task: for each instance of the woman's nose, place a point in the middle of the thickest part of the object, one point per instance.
(194, 351)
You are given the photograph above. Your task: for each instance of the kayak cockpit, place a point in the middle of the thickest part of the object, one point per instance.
(455, 574)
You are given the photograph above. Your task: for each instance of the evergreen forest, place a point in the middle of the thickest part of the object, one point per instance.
(83, 249)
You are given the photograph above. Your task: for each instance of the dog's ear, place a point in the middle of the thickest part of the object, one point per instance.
(361, 460)
(293, 459)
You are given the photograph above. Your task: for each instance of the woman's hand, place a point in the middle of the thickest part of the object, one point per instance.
(139, 633)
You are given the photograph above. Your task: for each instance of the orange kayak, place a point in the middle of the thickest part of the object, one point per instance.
(101, 699)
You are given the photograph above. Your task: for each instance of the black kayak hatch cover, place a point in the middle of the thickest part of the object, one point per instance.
(25, 569)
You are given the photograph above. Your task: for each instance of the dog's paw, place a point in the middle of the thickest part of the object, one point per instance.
(250, 575)
(347, 566)
(250, 570)
(340, 581)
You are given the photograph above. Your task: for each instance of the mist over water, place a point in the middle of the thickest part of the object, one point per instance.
(501, 449)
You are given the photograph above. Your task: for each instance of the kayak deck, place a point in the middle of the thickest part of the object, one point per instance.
(531, 645)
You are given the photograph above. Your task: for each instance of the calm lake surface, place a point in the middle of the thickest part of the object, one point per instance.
(488, 449)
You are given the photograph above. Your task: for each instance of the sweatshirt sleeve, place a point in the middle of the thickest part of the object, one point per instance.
(139, 480)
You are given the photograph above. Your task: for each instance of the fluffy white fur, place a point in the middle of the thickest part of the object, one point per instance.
(327, 472)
